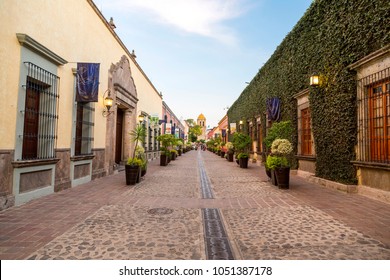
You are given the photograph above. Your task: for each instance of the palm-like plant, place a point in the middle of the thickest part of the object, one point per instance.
(137, 135)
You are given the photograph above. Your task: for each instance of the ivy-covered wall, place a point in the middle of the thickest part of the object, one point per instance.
(331, 35)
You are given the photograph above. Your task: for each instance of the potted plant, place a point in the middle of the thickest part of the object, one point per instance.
(173, 154)
(279, 163)
(133, 164)
(243, 159)
(223, 149)
(230, 151)
(241, 144)
(278, 130)
(179, 144)
(166, 141)
(133, 171)
(140, 153)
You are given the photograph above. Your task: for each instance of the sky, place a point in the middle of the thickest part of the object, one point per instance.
(200, 54)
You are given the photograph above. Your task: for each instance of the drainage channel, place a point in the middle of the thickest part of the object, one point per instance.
(217, 242)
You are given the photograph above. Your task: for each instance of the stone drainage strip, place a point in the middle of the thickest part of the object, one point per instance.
(217, 242)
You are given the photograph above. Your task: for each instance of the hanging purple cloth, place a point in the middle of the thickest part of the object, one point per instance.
(87, 82)
(273, 108)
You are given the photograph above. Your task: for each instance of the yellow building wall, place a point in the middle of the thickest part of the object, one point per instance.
(74, 31)
(149, 100)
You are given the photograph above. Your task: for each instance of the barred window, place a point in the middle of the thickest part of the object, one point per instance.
(150, 138)
(155, 139)
(251, 134)
(84, 128)
(379, 104)
(259, 138)
(305, 133)
(374, 118)
(40, 114)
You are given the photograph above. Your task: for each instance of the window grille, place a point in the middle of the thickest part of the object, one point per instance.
(259, 138)
(150, 139)
(84, 128)
(40, 114)
(373, 105)
(156, 147)
(305, 141)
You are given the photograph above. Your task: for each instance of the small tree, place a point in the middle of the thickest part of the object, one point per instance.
(166, 141)
(137, 135)
(278, 130)
(195, 131)
(241, 142)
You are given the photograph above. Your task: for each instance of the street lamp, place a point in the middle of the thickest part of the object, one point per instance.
(314, 80)
(141, 118)
(107, 102)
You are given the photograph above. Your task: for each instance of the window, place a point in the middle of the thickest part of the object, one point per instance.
(374, 118)
(379, 115)
(40, 114)
(306, 142)
(259, 138)
(150, 138)
(84, 129)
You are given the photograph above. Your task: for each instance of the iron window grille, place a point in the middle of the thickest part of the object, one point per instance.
(373, 105)
(150, 139)
(84, 128)
(40, 114)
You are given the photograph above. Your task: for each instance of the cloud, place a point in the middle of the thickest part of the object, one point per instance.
(202, 17)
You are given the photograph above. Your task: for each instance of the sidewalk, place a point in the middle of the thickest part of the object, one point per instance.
(161, 218)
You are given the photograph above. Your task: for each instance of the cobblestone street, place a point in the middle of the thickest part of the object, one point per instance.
(168, 216)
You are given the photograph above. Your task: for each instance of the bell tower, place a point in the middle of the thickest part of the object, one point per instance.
(201, 121)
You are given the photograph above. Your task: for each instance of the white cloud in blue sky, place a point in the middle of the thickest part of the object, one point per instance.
(201, 53)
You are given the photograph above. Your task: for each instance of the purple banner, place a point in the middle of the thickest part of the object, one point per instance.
(273, 108)
(87, 82)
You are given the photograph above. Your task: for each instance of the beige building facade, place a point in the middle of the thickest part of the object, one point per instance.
(50, 141)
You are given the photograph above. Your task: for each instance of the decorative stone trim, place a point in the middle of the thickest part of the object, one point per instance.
(308, 158)
(38, 48)
(375, 55)
(372, 165)
(29, 163)
(84, 157)
(329, 184)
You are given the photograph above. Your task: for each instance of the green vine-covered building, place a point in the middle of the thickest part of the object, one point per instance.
(341, 126)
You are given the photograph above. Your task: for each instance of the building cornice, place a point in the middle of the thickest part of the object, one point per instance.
(372, 56)
(30, 43)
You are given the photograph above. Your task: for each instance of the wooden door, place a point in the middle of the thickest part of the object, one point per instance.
(31, 122)
(118, 139)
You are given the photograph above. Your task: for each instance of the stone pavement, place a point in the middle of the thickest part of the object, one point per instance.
(167, 217)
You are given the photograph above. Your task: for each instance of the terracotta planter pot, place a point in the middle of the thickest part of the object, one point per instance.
(133, 174)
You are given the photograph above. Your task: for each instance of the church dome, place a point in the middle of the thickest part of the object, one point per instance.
(201, 117)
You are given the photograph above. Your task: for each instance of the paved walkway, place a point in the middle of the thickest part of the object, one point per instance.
(166, 217)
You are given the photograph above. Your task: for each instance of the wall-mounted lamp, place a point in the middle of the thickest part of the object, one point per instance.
(241, 122)
(314, 80)
(141, 118)
(107, 102)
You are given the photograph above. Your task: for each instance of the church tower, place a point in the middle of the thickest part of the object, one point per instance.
(201, 121)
